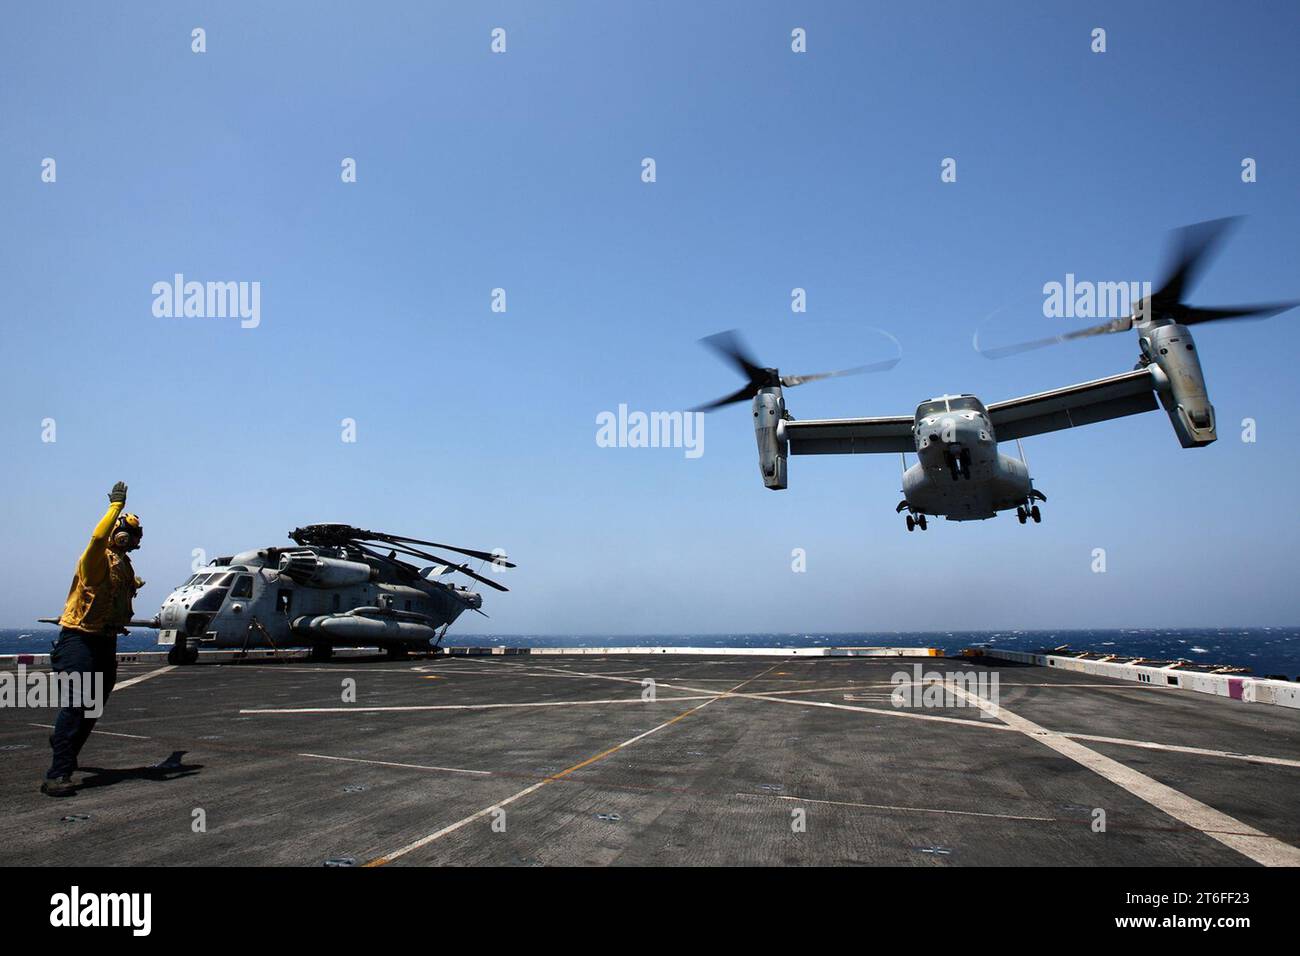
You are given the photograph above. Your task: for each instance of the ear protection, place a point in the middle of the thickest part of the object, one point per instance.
(127, 531)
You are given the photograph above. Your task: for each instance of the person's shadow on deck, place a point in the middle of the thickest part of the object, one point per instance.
(173, 768)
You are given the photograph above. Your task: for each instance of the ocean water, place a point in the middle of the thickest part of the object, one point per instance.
(1264, 650)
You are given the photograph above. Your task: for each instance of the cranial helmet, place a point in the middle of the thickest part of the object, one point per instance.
(127, 532)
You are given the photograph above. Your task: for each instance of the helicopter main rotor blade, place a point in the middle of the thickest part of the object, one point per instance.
(448, 563)
(498, 559)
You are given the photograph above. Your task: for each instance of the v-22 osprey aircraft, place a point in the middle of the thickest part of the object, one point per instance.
(959, 473)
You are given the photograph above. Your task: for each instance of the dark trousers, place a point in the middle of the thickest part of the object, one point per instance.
(86, 654)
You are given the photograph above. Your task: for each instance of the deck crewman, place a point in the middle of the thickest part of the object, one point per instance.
(97, 610)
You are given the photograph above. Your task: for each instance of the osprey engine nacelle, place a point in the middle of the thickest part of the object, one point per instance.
(769, 414)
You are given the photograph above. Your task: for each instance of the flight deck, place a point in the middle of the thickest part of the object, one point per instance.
(594, 759)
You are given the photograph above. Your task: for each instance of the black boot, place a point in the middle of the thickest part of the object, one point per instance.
(58, 787)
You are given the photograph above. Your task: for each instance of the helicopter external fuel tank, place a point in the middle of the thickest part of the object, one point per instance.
(366, 625)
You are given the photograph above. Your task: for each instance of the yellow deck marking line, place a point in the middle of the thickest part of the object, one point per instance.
(1231, 832)
(359, 709)
(452, 828)
(404, 766)
(122, 685)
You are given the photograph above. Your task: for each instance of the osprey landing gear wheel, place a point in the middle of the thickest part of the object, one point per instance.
(1021, 515)
(911, 523)
(1035, 514)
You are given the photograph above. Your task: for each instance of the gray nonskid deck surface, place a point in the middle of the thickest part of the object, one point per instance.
(720, 768)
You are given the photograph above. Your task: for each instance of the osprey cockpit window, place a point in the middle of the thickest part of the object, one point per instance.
(966, 403)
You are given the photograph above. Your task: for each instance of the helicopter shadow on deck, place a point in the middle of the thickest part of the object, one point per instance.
(173, 768)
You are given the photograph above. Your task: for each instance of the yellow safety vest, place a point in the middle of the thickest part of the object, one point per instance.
(99, 601)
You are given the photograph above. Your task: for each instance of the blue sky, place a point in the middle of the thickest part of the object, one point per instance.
(522, 171)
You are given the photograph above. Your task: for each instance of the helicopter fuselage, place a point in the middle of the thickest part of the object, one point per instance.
(313, 596)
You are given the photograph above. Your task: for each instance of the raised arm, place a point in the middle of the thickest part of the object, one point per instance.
(93, 564)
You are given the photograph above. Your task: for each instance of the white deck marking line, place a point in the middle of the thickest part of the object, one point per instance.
(360, 709)
(989, 725)
(106, 733)
(453, 827)
(975, 722)
(404, 766)
(886, 806)
(1179, 748)
(122, 685)
(1231, 832)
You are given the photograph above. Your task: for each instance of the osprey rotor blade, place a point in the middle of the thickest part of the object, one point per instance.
(729, 346)
(1105, 328)
(1192, 248)
(1193, 316)
(739, 395)
(791, 380)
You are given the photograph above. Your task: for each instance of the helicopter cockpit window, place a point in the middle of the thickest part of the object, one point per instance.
(283, 599)
(200, 579)
(243, 587)
(210, 600)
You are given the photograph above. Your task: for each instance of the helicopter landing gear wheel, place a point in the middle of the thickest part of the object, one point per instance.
(1035, 514)
(920, 522)
(911, 523)
(395, 653)
(183, 654)
(1021, 515)
(320, 653)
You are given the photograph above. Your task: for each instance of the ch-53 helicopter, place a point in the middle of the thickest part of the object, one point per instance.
(336, 588)
(960, 474)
